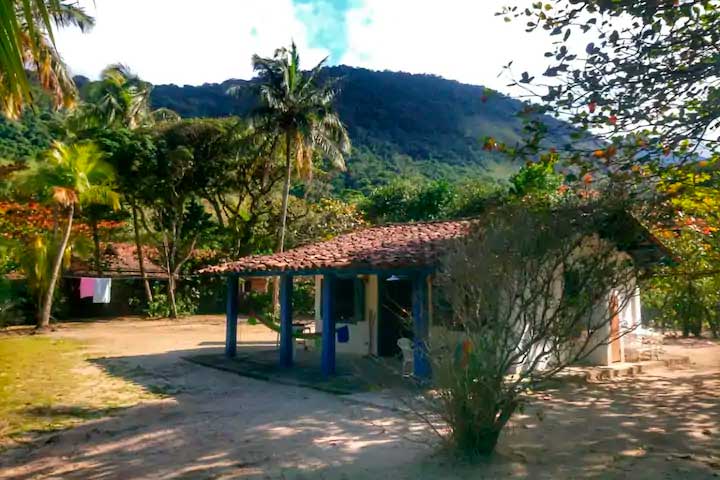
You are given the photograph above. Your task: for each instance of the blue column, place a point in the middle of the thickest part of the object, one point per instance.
(286, 315)
(231, 316)
(421, 322)
(328, 325)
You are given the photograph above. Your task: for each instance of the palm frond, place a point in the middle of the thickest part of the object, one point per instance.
(71, 15)
(27, 42)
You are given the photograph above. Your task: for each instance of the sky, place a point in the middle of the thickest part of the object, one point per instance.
(193, 42)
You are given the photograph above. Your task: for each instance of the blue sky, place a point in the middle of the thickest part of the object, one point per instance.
(193, 42)
(326, 24)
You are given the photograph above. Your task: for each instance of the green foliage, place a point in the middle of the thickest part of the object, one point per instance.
(29, 136)
(187, 301)
(70, 174)
(536, 179)
(303, 298)
(422, 200)
(648, 70)
(322, 219)
(685, 296)
(258, 303)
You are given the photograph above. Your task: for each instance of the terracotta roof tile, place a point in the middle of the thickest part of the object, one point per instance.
(381, 247)
(119, 260)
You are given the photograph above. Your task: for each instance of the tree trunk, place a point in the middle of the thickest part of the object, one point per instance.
(96, 244)
(218, 211)
(44, 319)
(286, 194)
(283, 220)
(140, 256)
(171, 296)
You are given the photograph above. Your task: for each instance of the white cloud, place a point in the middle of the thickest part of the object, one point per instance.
(457, 39)
(191, 42)
(183, 41)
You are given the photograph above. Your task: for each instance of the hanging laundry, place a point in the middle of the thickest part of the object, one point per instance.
(87, 287)
(101, 292)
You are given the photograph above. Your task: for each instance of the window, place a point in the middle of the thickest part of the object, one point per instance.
(349, 300)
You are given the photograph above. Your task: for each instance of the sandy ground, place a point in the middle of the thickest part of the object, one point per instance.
(220, 425)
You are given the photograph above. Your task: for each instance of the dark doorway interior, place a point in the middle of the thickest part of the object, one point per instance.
(395, 314)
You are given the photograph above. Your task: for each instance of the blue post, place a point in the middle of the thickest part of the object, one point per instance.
(421, 322)
(286, 315)
(328, 325)
(231, 315)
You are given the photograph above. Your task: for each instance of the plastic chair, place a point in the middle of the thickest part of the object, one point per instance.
(406, 347)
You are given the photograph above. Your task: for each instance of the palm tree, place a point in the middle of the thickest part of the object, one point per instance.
(120, 99)
(69, 177)
(26, 37)
(299, 113)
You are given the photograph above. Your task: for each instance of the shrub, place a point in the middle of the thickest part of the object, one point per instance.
(186, 300)
(522, 293)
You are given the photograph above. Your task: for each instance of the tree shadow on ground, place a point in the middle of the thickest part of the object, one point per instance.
(215, 424)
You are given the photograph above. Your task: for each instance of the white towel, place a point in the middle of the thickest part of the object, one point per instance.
(101, 292)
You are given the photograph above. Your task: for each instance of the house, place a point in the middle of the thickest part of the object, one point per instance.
(374, 285)
(118, 262)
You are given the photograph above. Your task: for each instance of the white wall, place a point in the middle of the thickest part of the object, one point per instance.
(629, 319)
(363, 335)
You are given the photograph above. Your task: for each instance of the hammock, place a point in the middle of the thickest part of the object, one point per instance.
(276, 328)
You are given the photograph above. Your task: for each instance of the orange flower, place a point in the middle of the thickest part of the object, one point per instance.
(587, 178)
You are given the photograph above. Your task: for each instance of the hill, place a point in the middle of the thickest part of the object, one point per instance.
(400, 123)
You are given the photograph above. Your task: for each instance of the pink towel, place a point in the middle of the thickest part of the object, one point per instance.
(87, 287)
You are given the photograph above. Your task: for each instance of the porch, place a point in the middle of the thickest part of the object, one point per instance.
(349, 305)
(370, 259)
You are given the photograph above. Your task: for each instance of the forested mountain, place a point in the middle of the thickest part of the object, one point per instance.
(399, 123)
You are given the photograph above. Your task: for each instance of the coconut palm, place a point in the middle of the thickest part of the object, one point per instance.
(298, 113)
(26, 33)
(69, 177)
(119, 99)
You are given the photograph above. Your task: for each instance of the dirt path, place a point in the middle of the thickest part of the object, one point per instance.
(219, 425)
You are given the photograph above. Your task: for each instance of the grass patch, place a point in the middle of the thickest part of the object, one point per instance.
(47, 384)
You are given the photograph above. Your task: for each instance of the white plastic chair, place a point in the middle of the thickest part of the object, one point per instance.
(406, 347)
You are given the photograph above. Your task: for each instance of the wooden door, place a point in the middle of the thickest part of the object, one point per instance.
(614, 329)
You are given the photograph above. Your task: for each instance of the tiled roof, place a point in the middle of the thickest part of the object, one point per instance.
(119, 260)
(382, 247)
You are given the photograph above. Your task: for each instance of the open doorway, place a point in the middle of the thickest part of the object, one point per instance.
(395, 319)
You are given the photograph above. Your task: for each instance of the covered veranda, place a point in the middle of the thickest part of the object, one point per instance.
(389, 251)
